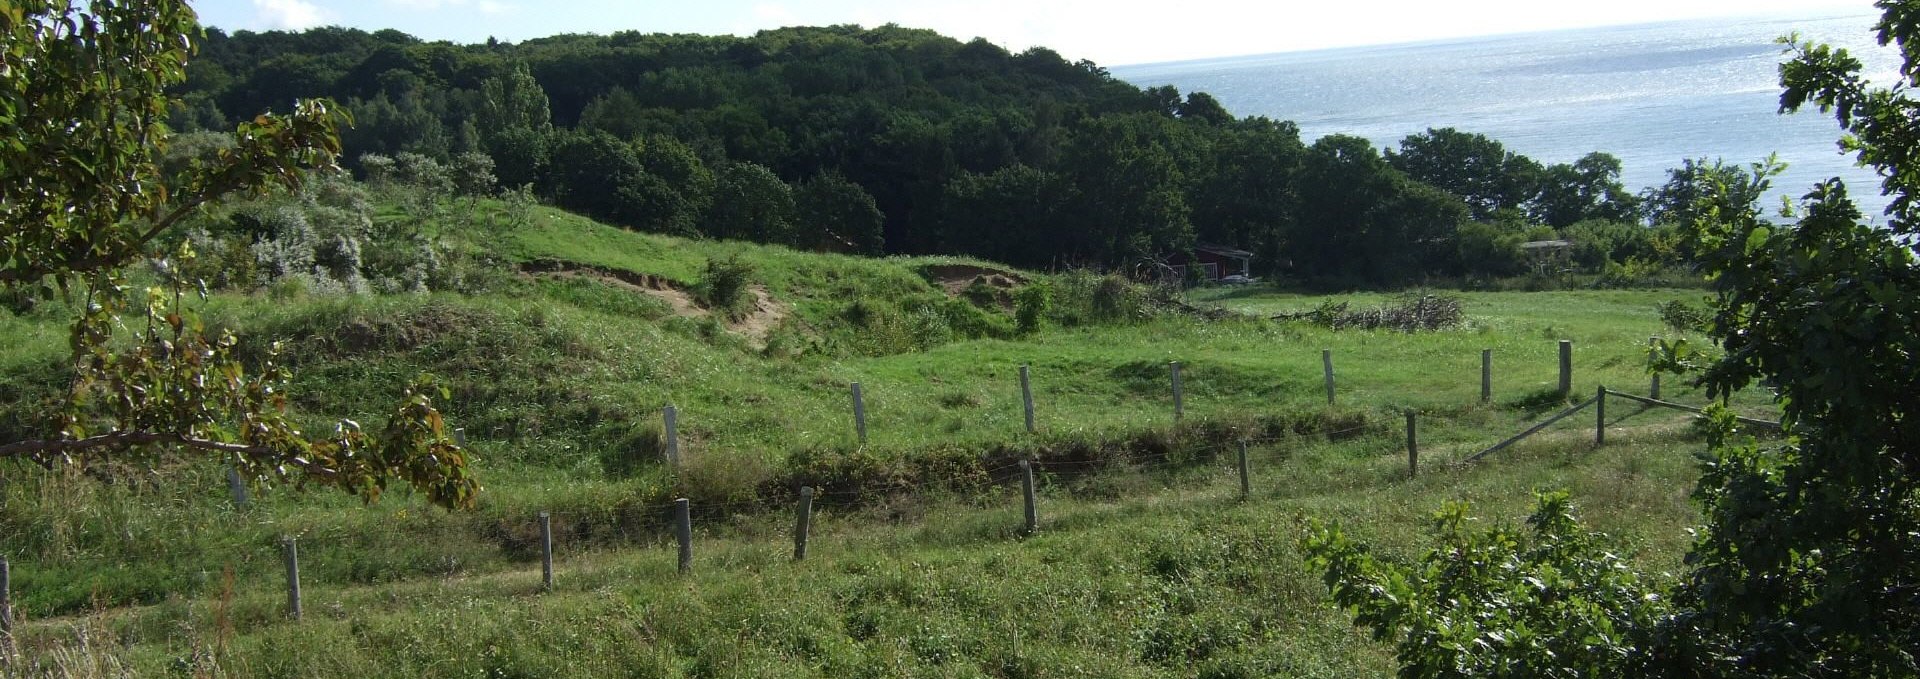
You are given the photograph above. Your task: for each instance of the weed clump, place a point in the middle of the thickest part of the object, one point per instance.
(1408, 313)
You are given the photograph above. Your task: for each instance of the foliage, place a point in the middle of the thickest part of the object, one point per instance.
(1474, 167)
(724, 284)
(81, 198)
(1497, 602)
(1587, 189)
(1030, 306)
(1682, 317)
(1699, 183)
(959, 148)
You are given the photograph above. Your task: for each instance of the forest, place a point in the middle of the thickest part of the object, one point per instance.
(893, 140)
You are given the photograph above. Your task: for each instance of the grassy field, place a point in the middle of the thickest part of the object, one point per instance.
(1147, 563)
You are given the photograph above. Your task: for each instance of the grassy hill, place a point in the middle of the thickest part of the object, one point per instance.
(568, 337)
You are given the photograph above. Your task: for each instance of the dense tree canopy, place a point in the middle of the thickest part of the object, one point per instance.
(951, 142)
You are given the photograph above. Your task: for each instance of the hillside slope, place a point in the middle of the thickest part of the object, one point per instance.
(565, 338)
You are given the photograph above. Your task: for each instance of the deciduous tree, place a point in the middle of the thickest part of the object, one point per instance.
(82, 195)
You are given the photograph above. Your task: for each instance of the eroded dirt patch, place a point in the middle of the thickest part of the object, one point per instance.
(956, 278)
(755, 323)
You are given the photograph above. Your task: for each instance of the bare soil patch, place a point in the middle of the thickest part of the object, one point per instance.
(759, 320)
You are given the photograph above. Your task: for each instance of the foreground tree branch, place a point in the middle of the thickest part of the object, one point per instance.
(83, 195)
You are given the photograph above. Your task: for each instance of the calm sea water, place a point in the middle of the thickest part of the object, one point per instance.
(1652, 95)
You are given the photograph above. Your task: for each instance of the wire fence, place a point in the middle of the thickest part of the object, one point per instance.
(680, 512)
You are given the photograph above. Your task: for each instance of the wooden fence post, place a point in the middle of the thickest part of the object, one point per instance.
(1413, 445)
(1486, 375)
(1179, 409)
(237, 488)
(1326, 363)
(546, 550)
(683, 529)
(290, 550)
(859, 413)
(1246, 484)
(1026, 488)
(1600, 416)
(6, 606)
(1026, 396)
(672, 418)
(1654, 389)
(802, 523)
(1566, 368)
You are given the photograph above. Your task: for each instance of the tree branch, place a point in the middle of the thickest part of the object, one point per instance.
(124, 438)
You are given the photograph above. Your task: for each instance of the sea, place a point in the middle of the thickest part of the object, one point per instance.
(1652, 95)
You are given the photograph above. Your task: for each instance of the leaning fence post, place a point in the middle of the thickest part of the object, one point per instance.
(1246, 485)
(290, 550)
(802, 523)
(237, 488)
(1026, 488)
(1178, 408)
(1566, 368)
(859, 413)
(672, 419)
(1413, 445)
(1326, 363)
(1486, 375)
(683, 529)
(546, 550)
(1600, 416)
(1654, 388)
(1026, 396)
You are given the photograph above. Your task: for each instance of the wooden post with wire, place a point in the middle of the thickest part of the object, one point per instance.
(237, 488)
(1326, 363)
(1486, 375)
(1026, 396)
(859, 413)
(546, 550)
(1566, 368)
(1179, 409)
(1026, 489)
(683, 530)
(802, 523)
(1413, 444)
(672, 420)
(1600, 416)
(1246, 484)
(1653, 390)
(6, 606)
(290, 550)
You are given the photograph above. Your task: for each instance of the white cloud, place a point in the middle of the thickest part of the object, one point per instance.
(494, 7)
(289, 15)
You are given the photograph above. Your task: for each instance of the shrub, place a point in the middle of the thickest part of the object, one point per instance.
(1682, 317)
(724, 285)
(1030, 307)
(1551, 602)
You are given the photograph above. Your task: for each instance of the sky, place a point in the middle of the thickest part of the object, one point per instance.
(1109, 32)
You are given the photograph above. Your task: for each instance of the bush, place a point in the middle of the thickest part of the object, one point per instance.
(1552, 602)
(1682, 317)
(1030, 307)
(724, 285)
